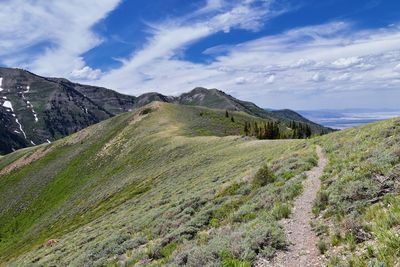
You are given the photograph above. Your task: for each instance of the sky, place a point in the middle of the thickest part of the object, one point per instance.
(299, 54)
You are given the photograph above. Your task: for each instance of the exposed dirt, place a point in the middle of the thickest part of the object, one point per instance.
(302, 250)
(25, 160)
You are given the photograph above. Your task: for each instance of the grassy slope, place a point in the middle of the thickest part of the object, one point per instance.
(100, 195)
(360, 200)
(157, 188)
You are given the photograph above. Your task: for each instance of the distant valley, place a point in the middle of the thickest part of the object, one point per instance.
(347, 118)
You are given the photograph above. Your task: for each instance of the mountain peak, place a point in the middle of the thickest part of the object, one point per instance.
(35, 109)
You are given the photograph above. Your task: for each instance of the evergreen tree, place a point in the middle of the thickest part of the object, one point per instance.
(226, 114)
(294, 134)
(246, 129)
(232, 119)
(256, 130)
(308, 131)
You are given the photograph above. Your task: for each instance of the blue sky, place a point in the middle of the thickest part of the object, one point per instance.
(303, 54)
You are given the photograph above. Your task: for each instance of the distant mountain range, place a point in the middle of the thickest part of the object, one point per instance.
(35, 109)
(346, 118)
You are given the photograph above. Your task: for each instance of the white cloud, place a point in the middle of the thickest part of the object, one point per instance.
(318, 77)
(331, 57)
(306, 59)
(158, 59)
(241, 80)
(62, 28)
(347, 62)
(342, 77)
(302, 62)
(85, 73)
(270, 79)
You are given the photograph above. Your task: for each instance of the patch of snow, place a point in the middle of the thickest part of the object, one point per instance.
(7, 104)
(20, 127)
(35, 115)
(13, 115)
(1, 84)
(4, 97)
(29, 105)
(48, 141)
(18, 132)
(33, 143)
(27, 89)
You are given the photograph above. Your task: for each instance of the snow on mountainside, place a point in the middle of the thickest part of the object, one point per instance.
(35, 109)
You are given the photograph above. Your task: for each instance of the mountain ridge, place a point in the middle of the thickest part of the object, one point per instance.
(36, 109)
(167, 184)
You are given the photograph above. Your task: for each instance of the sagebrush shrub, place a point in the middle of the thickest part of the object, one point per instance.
(263, 177)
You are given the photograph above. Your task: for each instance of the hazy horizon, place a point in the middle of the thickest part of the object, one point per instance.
(347, 118)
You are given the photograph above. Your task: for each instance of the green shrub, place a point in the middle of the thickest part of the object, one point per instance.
(281, 210)
(227, 208)
(202, 238)
(146, 111)
(351, 241)
(287, 175)
(167, 250)
(319, 228)
(321, 202)
(229, 190)
(322, 246)
(234, 245)
(370, 251)
(336, 239)
(245, 213)
(312, 161)
(263, 177)
(214, 222)
(291, 189)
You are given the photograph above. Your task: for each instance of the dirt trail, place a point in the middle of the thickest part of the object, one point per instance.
(303, 250)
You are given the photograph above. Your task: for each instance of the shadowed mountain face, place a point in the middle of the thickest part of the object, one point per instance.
(35, 109)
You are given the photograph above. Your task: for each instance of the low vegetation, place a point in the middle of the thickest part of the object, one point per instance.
(360, 199)
(96, 198)
(171, 185)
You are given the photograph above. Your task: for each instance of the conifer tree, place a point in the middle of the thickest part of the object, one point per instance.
(226, 114)
(256, 130)
(308, 131)
(246, 129)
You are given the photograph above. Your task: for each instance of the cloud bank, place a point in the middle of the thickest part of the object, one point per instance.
(49, 37)
(320, 59)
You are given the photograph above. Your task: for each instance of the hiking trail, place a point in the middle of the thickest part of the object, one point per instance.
(302, 250)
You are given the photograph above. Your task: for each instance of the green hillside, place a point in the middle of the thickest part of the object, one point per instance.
(359, 205)
(36, 110)
(149, 186)
(178, 185)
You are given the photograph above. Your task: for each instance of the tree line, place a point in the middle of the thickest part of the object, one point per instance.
(265, 130)
(275, 129)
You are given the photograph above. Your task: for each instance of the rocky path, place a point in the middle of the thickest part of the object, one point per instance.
(303, 250)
